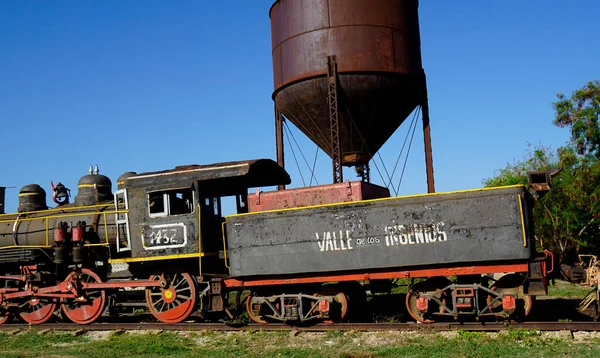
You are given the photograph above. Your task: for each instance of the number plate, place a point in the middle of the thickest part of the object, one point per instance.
(165, 236)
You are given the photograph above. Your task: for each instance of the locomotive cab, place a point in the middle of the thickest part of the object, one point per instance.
(178, 214)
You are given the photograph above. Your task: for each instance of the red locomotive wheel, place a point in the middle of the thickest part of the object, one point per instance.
(88, 307)
(37, 310)
(176, 301)
(4, 317)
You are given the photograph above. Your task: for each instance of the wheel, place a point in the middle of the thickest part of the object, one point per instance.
(431, 286)
(88, 307)
(512, 284)
(176, 301)
(37, 310)
(341, 302)
(4, 316)
(254, 310)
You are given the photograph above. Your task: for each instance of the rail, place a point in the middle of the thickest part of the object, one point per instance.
(321, 327)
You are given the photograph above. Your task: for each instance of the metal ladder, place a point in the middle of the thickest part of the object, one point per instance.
(122, 219)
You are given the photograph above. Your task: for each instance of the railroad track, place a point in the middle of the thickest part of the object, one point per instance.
(442, 326)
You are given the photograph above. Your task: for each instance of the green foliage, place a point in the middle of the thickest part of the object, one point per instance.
(580, 114)
(517, 343)
(570, 213)
(521, 334)
(562, 289)
(469, 336)
(536, 158)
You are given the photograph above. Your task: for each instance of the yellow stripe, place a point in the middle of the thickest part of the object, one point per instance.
(120, 182)
(154, 258)
(29, 194)
(87, 213)
(225, 247)
(91, 185)
(25, 247)
(522, 221)
(198, 230)
(378, 200)
(68, 208)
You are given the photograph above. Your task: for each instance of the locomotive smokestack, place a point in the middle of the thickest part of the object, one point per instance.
(2, 191)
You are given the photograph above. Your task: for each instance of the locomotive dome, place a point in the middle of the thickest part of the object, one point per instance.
(123, 178)
(32, 197)
(91, 184)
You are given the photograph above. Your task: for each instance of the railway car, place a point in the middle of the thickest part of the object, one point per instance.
(300, 255)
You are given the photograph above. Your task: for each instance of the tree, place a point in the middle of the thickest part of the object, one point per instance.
(580, 114)
(536, 158)
(569, 214)
(581, 157)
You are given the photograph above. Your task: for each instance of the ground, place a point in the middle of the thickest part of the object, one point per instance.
(299, 344)
(563, 299)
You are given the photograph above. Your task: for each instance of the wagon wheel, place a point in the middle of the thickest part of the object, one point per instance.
(340, 300)
(254, 310)
(512, 284)
(176, 301)
(88, 307)
(37, 310)
(432, 286)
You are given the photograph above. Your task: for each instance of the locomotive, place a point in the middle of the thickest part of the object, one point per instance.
(302, 255)
(347, 74)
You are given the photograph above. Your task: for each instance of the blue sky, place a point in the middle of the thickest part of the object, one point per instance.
(148, 85)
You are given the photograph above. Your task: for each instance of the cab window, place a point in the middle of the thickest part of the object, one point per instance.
(171, 202)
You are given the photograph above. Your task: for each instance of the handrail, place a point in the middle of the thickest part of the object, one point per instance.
(66, 208)
(224, 246)
(551, 255)
(60, 216)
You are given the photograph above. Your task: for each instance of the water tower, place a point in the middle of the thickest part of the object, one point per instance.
(348, 73)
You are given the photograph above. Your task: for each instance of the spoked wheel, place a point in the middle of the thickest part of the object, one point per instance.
(512, 284)
(4, 316)
(420, 308)
(176, 301)
(37, 310)
(254, 310)
(88, 307)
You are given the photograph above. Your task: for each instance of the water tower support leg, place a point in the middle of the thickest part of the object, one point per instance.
(336, 150)
(364, 172)
(428, 155)
(279, 141)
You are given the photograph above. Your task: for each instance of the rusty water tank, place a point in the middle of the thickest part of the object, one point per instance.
(378, 53)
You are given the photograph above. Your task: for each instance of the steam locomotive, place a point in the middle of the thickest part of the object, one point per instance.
(296, 255)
